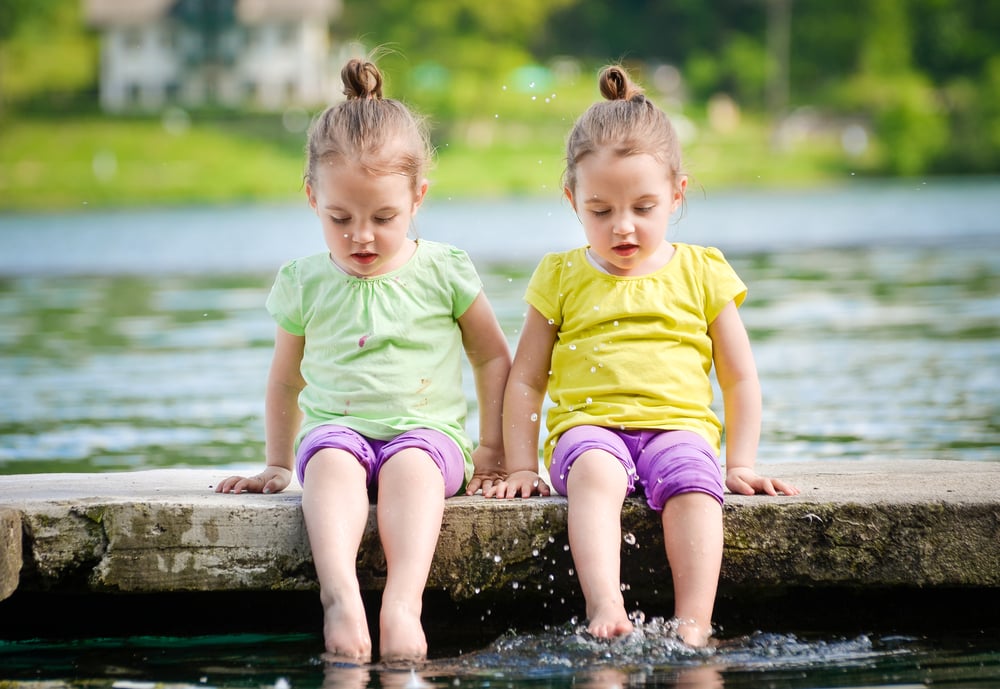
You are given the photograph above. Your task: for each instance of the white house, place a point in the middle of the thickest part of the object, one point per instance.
(263, 54)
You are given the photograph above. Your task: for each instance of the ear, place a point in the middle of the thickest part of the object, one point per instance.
(568, 193)
(420, 195)
(679, 192)
(310, 196)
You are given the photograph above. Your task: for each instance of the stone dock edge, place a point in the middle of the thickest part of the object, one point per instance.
(899, 531)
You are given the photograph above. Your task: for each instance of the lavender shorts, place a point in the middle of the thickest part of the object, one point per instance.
(373, 454)
(666, 463)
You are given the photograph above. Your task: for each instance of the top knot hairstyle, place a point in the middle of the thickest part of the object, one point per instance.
(380, 134)
(627, 122)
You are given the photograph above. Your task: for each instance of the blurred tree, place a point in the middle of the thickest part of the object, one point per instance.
(448, 54)
(14, 14)
(909, 120)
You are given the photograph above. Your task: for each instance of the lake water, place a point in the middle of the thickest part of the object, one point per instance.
(138, 339)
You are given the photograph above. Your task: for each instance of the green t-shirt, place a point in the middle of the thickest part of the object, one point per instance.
(633, 352)
(383, 355)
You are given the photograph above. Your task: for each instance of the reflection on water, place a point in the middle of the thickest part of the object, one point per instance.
(563, 656)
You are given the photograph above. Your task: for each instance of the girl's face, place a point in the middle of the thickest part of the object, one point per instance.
(365, 217)
(625, 204)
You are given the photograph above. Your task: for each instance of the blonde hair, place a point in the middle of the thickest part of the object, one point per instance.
(379, 133)
(626, 121)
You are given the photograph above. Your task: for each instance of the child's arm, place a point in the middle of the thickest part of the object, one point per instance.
(282, 419)
(489, 355)
(737, 374)
(522, 407)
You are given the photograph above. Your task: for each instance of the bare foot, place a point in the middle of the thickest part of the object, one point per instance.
(609, 621)
(345, 632)
(401, 634)
(693, 634)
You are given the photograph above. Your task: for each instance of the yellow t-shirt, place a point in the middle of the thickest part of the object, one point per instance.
(633, 352)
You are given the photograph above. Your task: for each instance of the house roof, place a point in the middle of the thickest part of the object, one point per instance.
(124, 12)
(135, 12)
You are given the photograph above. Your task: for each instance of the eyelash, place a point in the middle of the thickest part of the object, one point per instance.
(643, 210)
(345, 221)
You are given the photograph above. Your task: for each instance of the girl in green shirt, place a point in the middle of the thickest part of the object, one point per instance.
(365, 391)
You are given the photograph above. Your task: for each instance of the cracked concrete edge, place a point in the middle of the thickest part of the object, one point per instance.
(165, 530)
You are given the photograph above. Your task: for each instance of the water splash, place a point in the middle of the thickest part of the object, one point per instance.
(654, 645)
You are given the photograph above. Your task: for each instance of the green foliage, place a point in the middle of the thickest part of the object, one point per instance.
(501, 83)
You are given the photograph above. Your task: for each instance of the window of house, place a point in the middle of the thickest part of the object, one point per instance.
(132, 38)
(288, 34)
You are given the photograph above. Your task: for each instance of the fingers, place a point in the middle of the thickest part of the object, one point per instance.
(785, 487)
(240, 484)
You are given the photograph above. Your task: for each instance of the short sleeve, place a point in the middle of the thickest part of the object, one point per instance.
(465, 281)
(284, 303)
(543, 288)
(722, 284)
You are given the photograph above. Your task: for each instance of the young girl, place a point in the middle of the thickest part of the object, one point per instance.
(623, 333)
(365, 387)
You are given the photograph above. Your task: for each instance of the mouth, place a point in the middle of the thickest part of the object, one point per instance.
(625, 250)
(364, 257)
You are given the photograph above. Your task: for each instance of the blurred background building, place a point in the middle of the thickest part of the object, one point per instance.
(264, 54)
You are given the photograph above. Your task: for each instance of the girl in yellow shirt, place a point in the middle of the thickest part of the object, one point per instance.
(623, 334)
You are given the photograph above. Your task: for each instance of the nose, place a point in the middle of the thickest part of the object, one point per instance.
(624, 225)
(362, 233)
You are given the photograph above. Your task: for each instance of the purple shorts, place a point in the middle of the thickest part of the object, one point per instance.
(666, 463)
(373, 454)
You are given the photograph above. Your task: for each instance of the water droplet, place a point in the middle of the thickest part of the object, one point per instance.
(497, 559)
(552, 321)
(572, 347)
(534, 552)
(534, 417)
(629, 538)
(593, 369)
(515, 585)
(615, 324)
(589, 400)
(597, 307)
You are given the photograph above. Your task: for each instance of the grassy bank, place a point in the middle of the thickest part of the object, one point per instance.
(60, 163)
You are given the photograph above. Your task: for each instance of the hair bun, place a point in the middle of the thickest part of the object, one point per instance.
(362, 79)
(615, 84)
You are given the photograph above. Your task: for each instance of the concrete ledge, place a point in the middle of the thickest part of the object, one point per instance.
(921, 524)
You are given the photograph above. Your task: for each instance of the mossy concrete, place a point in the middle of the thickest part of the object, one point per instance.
(920, 524)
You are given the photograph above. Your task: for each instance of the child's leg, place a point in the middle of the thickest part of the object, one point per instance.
(692, 533)
(595, 489)
(410, 507)
(335, 506)
(681, 476)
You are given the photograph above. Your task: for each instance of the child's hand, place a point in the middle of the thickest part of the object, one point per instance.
(271, 480)
(484, 481)
(745, 481)
(488, 463)
(521, 484)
